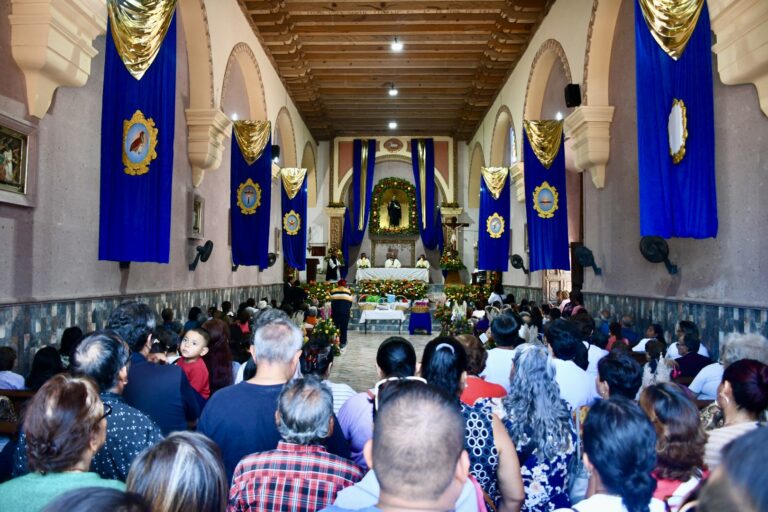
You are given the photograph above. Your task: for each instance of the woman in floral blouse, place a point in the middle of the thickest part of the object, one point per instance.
(541, 427)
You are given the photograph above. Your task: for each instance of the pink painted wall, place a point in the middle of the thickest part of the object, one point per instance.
(728, 269)
(51, 251)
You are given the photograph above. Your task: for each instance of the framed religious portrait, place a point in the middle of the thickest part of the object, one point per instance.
(197, 218)
(16, 183)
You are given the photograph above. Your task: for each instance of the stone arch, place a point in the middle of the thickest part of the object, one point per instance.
(243, 57)
(308, 162)
(476, 161)
(550, 52)
(597, 59)
(500, 138)
(287, 137)
(199, 57)
(442, 186)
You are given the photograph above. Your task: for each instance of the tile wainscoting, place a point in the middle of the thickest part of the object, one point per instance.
(27, 326)
(715, 321)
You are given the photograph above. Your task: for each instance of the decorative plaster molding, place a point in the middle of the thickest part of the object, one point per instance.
(335, 211)
(589, 129)
(451, 212)
(542, 75)
(741, 27)
(52, 42)
(517, 175)
(208, 128)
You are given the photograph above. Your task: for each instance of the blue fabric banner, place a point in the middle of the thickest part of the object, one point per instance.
(546, 209)
(250, 205)
(295, 226)
(356, 218)
(493, 228)
(137, 129)
(676, 200)
(427, 214)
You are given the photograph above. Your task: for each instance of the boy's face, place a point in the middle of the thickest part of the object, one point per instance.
(193, 346)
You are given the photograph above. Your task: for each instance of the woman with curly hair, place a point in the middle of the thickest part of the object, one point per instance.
(680, 442)
(218, 360)
(541, 426)
(65, 425)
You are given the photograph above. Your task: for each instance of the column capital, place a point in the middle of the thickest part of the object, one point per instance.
(589, 129)
(208, 129)
(52, 43)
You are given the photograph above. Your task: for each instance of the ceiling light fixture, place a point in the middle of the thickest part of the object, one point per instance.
(392, 125)
(559, 116)
(396, 46)
(393, 90)
(234, 116)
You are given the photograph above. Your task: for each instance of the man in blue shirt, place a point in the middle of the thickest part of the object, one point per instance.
(240, 419)
(162, 392)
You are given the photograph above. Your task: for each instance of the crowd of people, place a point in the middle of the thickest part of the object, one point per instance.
(236, 410)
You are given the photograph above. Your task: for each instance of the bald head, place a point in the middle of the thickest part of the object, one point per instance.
(418, 437)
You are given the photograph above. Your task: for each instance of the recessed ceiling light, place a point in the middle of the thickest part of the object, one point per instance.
(392, 125)
(396, 46)
(559, 116)
(393, 90)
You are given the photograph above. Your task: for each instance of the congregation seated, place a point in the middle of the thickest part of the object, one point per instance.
(658, 369)
(690, 362)
(620, 452)
(45, 364)
(493, 459)
(184, 472)
(619, 374)
(169, 323)
(616, 336)
(103, 357)
(576, 386)
(395, 359)
(69, 340)
(593, 343)
(299, 470)
(685, 327)
(653, 332)
(240, 419)
(65, 426)
(743, 397)
(504, 332)
(540, 424)
(679, 444)
(317, 357)
(8, 378)
(193, 347)
(222, 369)
(162, 392)
(89, 499)
(475, 386)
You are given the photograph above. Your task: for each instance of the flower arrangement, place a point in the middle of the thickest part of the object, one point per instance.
(401, 287)
(319, 291)
(450, 326)
(378, 193)
(328, 329)
(469, 293)
(450, 260)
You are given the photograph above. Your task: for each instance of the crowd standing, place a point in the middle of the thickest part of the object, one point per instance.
(540, 409)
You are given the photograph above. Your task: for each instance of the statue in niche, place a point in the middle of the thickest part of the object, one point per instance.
(395, 212)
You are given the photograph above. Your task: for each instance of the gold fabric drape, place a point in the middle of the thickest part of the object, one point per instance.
(545, 138)
(138, 30)
(671, 22)
(495, 178)
(422, 155)
(293, 179)
(363, 181)
(252, 137)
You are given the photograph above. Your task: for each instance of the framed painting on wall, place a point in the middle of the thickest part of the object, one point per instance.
(16, 183)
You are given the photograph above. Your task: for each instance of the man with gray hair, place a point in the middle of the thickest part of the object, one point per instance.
(240, 418)
(103, 356)
(300, 473)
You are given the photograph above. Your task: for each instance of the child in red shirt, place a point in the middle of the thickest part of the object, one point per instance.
(193, 347)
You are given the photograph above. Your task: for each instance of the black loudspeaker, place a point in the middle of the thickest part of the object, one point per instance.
(572, 95)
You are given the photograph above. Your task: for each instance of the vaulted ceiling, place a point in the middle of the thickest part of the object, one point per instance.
(336, 61)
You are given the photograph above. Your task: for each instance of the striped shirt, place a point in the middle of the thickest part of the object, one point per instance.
(718, 438)
(291, 478)
(341, 293)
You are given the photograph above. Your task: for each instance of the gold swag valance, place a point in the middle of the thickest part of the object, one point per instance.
(252, 137)
(671, 22)
(495, 178)
(293, 179)
(545, 138)
(138, 30)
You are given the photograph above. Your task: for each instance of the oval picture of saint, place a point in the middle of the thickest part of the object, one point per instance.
(292, 222)
(545, 199)
(248, 196)
(136, 144)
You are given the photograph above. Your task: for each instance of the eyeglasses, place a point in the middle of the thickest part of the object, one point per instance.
(107, 412)
(383, 382)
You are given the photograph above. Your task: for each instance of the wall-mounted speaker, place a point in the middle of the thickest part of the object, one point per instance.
(572, 95)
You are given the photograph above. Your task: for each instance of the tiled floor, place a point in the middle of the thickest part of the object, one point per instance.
(357, 366)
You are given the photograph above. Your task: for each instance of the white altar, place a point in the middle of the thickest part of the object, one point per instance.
(411, 274)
